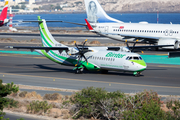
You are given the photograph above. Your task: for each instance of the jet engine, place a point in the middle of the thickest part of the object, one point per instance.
(173, 42)
(6, 21)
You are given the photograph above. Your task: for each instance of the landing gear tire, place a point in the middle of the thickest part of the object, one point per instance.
(78, 71)
(138, 74)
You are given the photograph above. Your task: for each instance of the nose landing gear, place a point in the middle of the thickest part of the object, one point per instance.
(137, 74)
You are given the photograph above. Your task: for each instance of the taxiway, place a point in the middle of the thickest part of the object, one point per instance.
(39, 71)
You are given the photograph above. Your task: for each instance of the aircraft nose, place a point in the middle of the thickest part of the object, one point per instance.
(143, 65)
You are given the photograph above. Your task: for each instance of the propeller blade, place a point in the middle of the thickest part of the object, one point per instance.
(127, 44)
(84, 45)
(76, 45)
(79, 57)
(134, 45)
(85, 59)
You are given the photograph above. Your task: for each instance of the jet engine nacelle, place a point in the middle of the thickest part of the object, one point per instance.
(6, 21)
(173, 42)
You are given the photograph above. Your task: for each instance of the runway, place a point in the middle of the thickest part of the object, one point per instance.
(39, 71)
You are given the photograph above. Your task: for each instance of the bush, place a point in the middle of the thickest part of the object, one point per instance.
(93, 102)
(23, 94)
(37, 106)
(99, 104)
(4, 91)
(175, 107)
(12, 103)
(55, 96)
(148, 110)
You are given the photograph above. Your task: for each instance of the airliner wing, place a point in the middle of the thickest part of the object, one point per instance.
(140, 37)
(55, 21)
(150, 46)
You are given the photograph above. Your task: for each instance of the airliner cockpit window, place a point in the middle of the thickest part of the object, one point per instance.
(136, 58)
(140, 58)
(127, 58)
(130, 58)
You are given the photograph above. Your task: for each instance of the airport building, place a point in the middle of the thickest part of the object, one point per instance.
(16, 2)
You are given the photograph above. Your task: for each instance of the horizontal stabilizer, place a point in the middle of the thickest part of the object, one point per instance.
(38, 48)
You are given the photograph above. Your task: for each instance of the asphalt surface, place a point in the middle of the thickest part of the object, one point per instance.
(13, 116)
(39, 71)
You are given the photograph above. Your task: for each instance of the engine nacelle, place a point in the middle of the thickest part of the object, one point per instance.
(6, 21)
(173, 42)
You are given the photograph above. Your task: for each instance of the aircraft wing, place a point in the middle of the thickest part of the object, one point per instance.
(139, 37)
(138, 47)
(150, 46)
(55, 21)
(38, 48)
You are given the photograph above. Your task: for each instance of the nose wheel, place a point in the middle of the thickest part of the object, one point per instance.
(137, 74)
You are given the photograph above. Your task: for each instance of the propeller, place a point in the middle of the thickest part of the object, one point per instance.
(81, 52)
(133, 45)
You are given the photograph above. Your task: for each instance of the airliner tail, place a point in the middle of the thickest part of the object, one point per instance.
(96, 14)
(3, 15)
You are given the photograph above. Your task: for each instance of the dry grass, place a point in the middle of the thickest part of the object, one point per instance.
(33, 95)
(58, 109)
(53, 97)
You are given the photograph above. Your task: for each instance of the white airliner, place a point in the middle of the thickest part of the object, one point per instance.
(89, 58)
(156, 34)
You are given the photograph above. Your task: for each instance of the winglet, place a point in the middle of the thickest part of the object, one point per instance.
(89, 26)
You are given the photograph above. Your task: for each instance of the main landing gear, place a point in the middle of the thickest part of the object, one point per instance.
(79, 70)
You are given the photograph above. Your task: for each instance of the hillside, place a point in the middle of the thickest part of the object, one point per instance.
(119, 5)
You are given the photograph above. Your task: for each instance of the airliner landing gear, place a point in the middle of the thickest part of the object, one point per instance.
(79, 71)
(137, 74)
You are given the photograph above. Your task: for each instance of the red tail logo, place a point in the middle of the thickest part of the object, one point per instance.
(89, 26)
(3, 15)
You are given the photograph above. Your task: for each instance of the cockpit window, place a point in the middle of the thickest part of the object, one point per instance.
(130, 58)
(140, 58)
(136, 58)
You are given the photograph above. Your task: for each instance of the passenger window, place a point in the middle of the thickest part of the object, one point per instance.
(140, 58)
(130, 58)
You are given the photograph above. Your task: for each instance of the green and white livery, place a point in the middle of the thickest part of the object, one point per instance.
(89, 58)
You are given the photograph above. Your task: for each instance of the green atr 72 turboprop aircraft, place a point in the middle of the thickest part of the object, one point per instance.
(89, 58)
